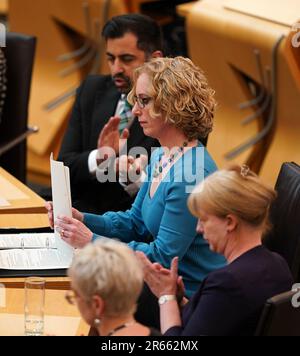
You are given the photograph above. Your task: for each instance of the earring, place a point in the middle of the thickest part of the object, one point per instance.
(97, 322)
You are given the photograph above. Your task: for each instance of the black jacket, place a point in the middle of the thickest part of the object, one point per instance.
(95, 104)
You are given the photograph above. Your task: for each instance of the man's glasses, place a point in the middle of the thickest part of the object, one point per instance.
(142, 101)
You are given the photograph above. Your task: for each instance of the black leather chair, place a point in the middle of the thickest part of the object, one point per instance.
(19, 53)
(285, 217)
(281, 316)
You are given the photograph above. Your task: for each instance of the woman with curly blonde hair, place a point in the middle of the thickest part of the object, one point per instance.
(180, 94)
(174, 104)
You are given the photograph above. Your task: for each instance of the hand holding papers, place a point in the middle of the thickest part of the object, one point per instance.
(69, 220)
(42, 251)
(62, 205)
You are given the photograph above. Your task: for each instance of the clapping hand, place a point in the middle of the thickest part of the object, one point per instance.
(160, 280)
(130, 169)
(109, 141)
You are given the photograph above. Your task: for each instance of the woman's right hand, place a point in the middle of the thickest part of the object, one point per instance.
(75, 214)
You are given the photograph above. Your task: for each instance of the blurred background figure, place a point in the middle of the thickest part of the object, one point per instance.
(106, 280)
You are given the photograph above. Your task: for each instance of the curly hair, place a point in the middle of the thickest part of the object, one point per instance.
(181, 94)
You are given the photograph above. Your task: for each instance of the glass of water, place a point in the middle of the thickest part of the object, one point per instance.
(34, 306)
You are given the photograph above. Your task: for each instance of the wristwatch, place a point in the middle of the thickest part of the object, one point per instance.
(166, 298)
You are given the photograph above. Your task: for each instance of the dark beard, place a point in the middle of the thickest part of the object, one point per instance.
(128, 87)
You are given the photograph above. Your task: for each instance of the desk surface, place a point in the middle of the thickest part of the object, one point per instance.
(21, 199)
(61, 318)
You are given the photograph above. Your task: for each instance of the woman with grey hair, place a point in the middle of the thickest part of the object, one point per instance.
(106, 281)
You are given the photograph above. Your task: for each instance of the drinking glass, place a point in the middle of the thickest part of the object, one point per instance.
(34, 306)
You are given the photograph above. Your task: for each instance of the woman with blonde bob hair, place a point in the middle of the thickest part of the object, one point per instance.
(232, 207)
(106, 280)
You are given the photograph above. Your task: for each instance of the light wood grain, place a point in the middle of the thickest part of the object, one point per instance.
(23, 221)
(56, 283)
(24, 200)
(55, 305)
(271, 10)
(222, 42)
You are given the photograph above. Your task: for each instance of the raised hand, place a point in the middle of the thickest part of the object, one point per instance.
(110, 139)
(160, 280)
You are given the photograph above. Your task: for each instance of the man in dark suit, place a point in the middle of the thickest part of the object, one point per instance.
(96, 119)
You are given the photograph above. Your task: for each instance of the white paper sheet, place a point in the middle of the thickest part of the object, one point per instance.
(62, 204)
(27, 241)
(38, 259)
(31, 252)
(37, 251)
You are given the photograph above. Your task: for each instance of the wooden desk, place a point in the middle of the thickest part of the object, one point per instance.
(22, 200)
(61, 319)
(23, 221)
(52, 283)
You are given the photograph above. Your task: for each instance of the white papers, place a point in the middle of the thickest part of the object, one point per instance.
(27, 241)
(31, 252)
(42, 251)
(62, 205)
(38, 259)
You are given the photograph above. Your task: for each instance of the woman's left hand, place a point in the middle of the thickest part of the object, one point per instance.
(73, 231)
(160, 280)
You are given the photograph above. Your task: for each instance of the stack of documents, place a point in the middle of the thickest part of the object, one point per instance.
(44, 251)
(31, 251)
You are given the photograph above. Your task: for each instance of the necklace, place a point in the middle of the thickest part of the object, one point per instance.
(123, 326)
(161, 165)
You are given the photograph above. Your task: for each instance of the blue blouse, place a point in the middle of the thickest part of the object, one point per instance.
(166, 217)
